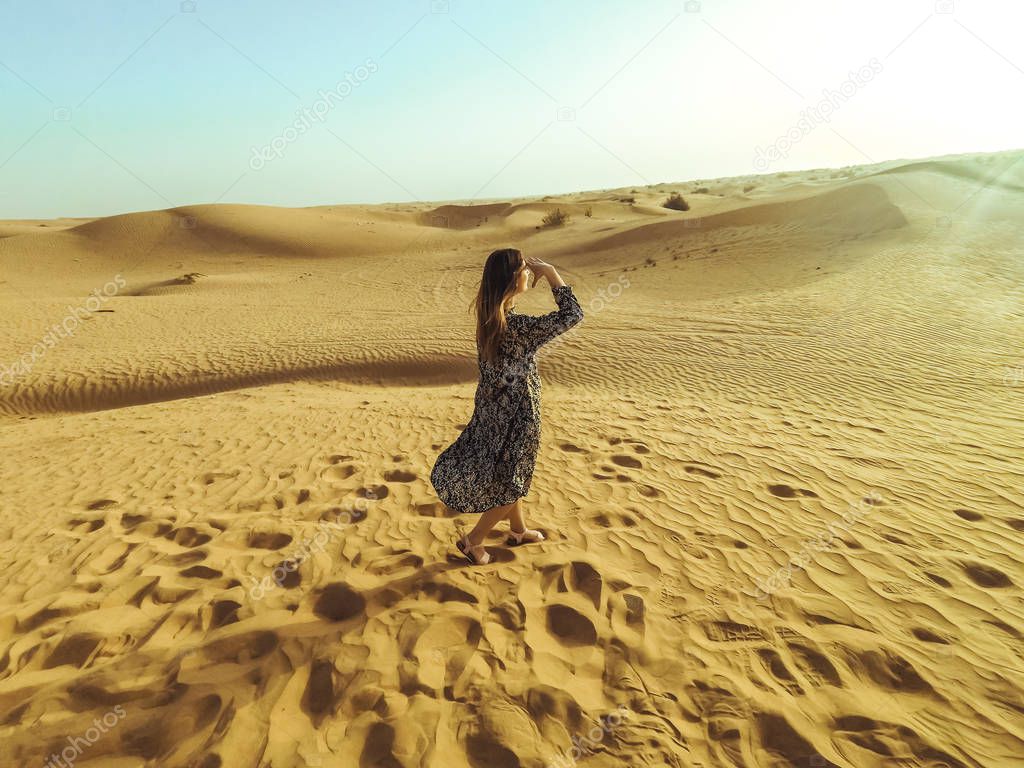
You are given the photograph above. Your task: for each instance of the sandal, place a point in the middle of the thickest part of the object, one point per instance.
(476, 555)
(523, 537)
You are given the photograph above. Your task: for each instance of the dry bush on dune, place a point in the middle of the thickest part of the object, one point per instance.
(676, 202)
(555, 218)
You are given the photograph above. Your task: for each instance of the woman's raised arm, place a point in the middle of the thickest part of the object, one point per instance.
(538, 331)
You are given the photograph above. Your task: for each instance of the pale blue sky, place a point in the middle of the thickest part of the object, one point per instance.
(135, 105)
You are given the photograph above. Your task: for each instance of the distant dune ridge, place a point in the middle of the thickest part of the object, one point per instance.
(218, 539)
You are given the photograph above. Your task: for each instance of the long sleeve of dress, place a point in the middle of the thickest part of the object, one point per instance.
(539, 330)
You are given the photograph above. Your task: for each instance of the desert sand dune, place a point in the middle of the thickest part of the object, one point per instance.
(217, 527)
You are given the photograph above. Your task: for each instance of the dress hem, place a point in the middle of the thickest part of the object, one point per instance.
(481, 511)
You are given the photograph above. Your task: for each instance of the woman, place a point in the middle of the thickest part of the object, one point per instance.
(489, 467)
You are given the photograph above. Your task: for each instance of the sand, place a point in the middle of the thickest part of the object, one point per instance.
(780, 474)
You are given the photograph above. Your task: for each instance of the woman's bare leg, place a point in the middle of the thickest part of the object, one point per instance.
(516, 521)
(488, 520)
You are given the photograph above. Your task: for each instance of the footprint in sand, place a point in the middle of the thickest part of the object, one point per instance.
(129, 520)
(373, 492)
(967, 514)
(570, 627)
(400, 476)
(201, 572)
(78, 650)
(727, 717)
(286, 574)
(694, 469)
(268, 540)
(611, 473)
(145, 526)
(581, 577)
(986, 576)
(636, 611)
(609, 520)
(783, 491)
(888, 670)
(733, 632)
(318, 698)
(339, 602)
(188, 537)
(564, 622)
(222, 613)
(927, 636)
(626, 461)
(815, 666)
(341, 516)
(571, 448)
(776, 667)
(83, 525)
(338, 472)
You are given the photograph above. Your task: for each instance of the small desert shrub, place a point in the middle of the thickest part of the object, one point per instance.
(749, 187)
(555, 218)
(701, 191)
(629, 200)
(676, 202)
(588, 212)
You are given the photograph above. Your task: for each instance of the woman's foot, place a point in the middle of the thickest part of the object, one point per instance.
(527, 536)
(475, 553)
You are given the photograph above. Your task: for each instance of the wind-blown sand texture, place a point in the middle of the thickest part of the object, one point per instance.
(825, 352)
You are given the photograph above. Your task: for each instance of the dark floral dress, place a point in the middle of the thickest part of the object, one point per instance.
(491, 463)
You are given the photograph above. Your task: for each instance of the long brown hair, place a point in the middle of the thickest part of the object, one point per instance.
(496, 288)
